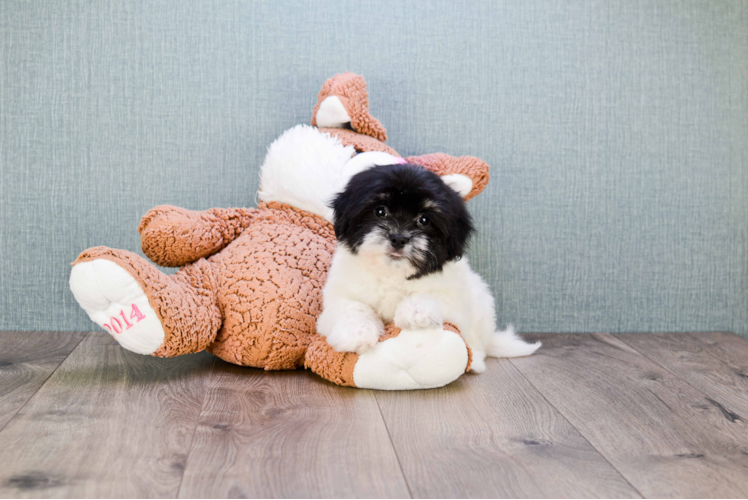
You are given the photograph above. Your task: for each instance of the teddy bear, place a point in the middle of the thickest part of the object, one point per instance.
(250, 285)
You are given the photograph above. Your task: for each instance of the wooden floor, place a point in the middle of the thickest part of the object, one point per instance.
(589, 415)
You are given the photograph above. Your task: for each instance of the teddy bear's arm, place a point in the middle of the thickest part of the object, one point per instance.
(444, 164)
(172, 236)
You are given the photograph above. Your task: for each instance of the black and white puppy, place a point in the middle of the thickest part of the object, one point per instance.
(402, 233)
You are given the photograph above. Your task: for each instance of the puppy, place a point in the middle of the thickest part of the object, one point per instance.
(402, 233)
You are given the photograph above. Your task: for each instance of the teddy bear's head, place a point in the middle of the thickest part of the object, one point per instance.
(306, 166)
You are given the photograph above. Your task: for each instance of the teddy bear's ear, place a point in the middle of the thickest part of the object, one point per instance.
(344, 102)
(467, 175)
(332, 114)
(460, 183)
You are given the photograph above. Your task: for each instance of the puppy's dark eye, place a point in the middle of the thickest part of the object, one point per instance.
(423, 221)
(380, 211)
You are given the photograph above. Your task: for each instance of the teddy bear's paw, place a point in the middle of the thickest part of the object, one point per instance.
(418, 311)
(414, 359)
(114, 300)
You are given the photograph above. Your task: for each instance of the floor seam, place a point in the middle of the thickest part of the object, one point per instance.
(194, 430)
(87, 334)
(392, 443)
(578, 431)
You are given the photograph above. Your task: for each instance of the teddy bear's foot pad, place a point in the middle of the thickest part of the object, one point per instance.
(415, 359)
(114, 300)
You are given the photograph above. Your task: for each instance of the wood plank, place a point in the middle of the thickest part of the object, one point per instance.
(289, 434)
(27, 359)
(701, 359)
(107, 423)
(666, 438)
(493, 435)
(726, 346)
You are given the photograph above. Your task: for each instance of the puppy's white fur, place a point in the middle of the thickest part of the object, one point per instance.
(306, 168)
(368, 289)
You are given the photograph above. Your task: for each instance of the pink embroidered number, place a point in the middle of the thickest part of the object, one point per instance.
(115, 326)
(118, 328)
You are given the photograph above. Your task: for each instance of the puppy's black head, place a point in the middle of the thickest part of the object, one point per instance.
(405, 213)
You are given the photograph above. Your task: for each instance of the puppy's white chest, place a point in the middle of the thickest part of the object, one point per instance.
(383, 292)
(383, 286)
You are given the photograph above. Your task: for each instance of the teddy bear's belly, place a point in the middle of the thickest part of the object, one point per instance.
(270, 294)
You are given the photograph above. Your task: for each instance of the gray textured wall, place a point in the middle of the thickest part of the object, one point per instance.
(617, 133)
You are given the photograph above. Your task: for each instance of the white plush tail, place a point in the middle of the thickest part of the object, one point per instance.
(508, 344)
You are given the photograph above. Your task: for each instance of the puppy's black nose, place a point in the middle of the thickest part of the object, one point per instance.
(398, 241)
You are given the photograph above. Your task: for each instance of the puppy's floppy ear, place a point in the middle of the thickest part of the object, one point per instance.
(452, 170)
(340, 205)
(457, 240)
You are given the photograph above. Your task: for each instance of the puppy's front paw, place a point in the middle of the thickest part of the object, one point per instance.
(355, 334)
(418, 311)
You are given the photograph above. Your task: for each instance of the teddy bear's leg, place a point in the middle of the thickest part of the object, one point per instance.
(145, 310)
(403, 359)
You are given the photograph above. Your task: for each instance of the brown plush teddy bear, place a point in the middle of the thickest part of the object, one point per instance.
(250, 288)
